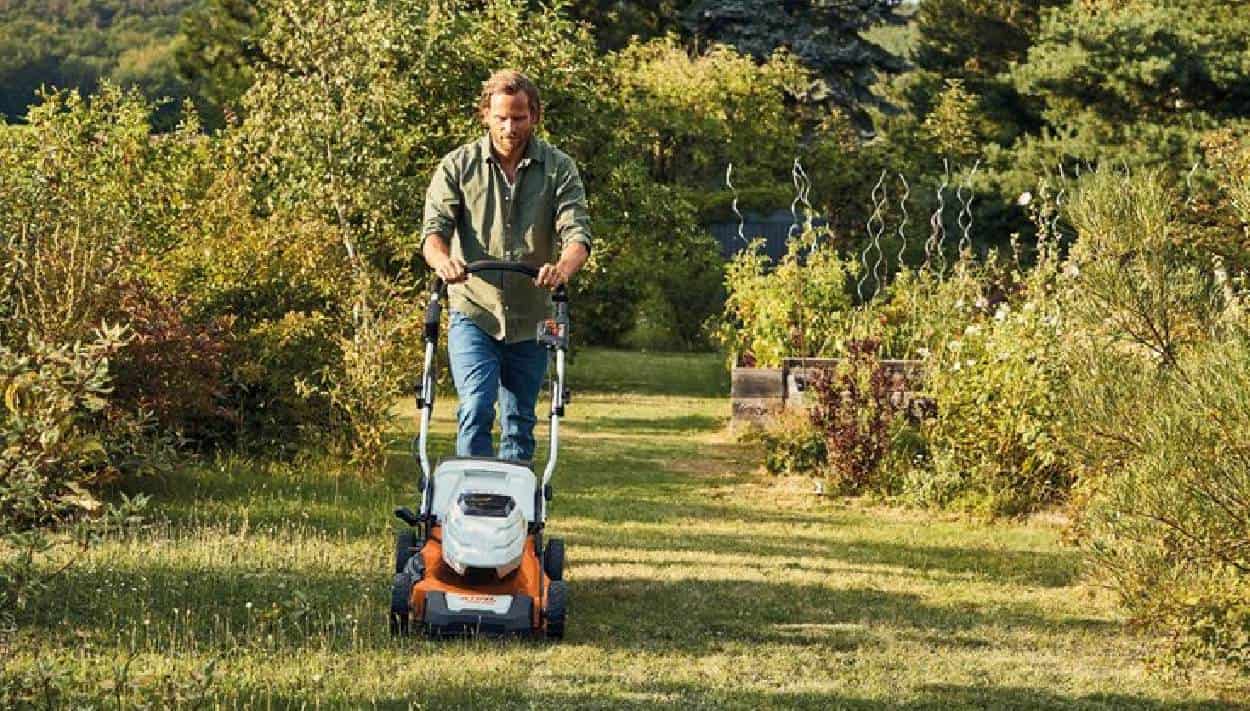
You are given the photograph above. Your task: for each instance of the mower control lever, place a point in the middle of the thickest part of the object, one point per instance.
(403, 513)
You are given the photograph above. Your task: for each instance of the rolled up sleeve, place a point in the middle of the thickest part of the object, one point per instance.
(572, 216)
(443, 202)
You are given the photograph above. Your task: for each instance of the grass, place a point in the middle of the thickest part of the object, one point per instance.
(696, 582)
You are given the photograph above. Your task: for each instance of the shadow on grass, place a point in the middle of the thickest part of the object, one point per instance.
(1032, 568)
(700, 616)
(642, 426)
(589, 692)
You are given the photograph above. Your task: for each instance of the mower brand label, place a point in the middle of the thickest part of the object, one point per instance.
(497, 604)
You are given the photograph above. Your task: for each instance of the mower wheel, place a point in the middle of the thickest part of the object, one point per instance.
(405, 547)
(400, 615)
(553, 559)
(557, 608)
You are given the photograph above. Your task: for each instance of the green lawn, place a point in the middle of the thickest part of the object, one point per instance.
(697, 582)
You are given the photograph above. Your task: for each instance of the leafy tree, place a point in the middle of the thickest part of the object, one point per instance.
(825, 35)
(614, 22)
(977, 42)
(687, 118)
(1135, 81)
(79, 43)
(218, 53)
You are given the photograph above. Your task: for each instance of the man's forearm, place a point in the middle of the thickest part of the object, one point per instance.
(572, 259)
(435, 250)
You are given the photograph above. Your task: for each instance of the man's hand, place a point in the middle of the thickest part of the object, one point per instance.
(451, 270)
(550, 276)
(448, 268)
(572, 259)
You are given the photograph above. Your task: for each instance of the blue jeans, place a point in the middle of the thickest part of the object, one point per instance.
(485, 369)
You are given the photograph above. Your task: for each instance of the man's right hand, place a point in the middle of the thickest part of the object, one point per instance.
(451, 270)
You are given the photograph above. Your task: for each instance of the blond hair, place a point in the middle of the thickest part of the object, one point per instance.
(510, 82)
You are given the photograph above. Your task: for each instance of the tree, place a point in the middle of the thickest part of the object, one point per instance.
(977, 42)
(77, 45)
(218, 53)
(824, 34)
(1137, 81)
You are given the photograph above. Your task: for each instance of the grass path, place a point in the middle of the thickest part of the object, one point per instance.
(696, 583)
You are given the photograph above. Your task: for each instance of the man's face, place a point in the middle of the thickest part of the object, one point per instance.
(510, 122)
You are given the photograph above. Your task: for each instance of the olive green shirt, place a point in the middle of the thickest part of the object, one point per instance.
(530, 222)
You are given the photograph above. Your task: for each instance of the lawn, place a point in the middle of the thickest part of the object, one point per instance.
(697, 582)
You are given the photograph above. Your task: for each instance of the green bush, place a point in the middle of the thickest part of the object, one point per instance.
(61, 440)
(796, 308)
(995, 442)
(792, 445)
(1169, 522)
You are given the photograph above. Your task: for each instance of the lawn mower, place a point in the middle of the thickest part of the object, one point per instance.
(473, 561)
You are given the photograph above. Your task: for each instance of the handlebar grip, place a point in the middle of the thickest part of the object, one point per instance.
(494, 265)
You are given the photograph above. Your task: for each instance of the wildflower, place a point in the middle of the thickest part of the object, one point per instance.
(1026, 197)
(248, 605)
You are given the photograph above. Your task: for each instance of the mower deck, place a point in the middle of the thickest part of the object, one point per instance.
(446, 603)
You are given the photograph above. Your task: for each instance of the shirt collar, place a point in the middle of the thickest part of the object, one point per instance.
(534, 152)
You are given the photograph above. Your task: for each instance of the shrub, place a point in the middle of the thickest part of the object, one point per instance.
(85, 194)
(795, 309)
(173, 368)
(995, 440)
(1168, 525)
(855, 407)
(61, 439)
(792, 445)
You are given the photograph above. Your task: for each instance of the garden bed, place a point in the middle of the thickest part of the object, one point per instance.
(760, 393)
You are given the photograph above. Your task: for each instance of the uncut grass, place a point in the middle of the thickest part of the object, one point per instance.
(695, 581)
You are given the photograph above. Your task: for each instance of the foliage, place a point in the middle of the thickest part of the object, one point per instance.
(82, 44)
(976, 42)
(1168, 524)
(217, 52)
(84, 196)
(654, 276)
(1136, 281)
(792, 445)
(379, 359)
(855, 406)
(994, 442)
(825, 36)
(793, 309)
(60, 440)
(686, 118)
(953, 127)
(172, 367)
(1155, 349)
(616, 24)
(1134, 82)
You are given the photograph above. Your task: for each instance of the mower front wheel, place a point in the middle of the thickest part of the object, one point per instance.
(401, 616)
(553, 559)
(405, 548)
(557, 608)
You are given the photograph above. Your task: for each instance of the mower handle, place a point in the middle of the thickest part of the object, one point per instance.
(494, 265)
(438, 290)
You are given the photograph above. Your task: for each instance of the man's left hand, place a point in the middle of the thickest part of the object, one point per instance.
(550, 276)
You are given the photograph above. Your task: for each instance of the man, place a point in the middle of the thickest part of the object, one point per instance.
(509, 196)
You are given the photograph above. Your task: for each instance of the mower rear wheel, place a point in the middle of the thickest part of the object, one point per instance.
(405, 547)
(400, 614)
(553, 559)
(557, 608)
